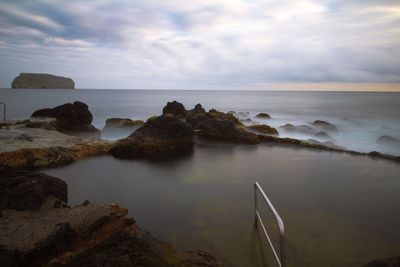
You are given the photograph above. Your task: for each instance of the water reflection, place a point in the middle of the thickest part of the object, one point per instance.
(339, 210)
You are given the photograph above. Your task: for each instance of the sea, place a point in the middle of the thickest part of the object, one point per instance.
(338, 209)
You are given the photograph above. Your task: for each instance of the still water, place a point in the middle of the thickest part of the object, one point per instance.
(338, 209)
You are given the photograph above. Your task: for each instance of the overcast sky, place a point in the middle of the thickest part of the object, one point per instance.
(200, 44)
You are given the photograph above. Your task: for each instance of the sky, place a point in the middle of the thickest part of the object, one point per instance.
(204, 44)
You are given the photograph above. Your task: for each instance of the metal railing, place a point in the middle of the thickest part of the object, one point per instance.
(4, 111)
(281, 259)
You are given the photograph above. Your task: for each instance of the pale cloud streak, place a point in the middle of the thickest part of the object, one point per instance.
(201, 44)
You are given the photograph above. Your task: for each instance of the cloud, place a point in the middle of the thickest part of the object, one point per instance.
(174, 44)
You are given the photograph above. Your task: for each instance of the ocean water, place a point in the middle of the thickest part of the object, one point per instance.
(361, 118)
(339, 210)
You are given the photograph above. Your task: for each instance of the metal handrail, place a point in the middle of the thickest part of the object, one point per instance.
(4, 111)
(281, 259)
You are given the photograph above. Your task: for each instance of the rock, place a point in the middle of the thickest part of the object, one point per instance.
(307, 130)
(122, 122)
(174, 108)
(198, 109)
(43, 148)
(324, 125)
(21, 190)
(263, 115)
(90, 235)
(264, 129)
(324, 136)
(244, 113)
(74, 117)
(386, 140)
(42, 81)
(163, 136)
(213, 113)
(226, 130)
(390, 262)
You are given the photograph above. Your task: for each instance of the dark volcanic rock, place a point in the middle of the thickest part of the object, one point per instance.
(122, 122)
(324, 125)
(227, 131)
(70, 117)
(162, 136)
(174, 108)
(390, 262)
(42, 81)
(223, 116)
(20, 190)
(264, 129)
(388, 141)
(263, 115)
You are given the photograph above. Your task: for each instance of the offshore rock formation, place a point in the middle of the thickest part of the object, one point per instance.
(85, 235)
(263, 115)
(71, 118)
(324, 125)
(386, 140)
(165, 135)
(42, 81)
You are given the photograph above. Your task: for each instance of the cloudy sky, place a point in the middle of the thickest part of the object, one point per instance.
(201, 44)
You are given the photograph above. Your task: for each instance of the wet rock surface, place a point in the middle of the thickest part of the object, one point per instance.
(174, 108)
(71, 117)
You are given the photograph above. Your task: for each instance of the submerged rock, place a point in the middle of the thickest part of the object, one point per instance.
(42, 81)
(389, 262)
(263, 115)
(162, 136)
(122, 123)
(324, 125)
(74, 117)
(388, 141)
(21, 190)
(264, 129)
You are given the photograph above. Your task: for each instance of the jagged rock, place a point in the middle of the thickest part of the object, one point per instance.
(263, 115)
(264, 129)
(390, 262)
(222, 116)
(198, 109)
(162, 136)
(307, 130)
(386, 140)
(174, 108)
(324, 125)
(89, 235)
(42, 81)
(122, 122)
(226, 130)
(74, 117)
(21, 190)
(196, 115)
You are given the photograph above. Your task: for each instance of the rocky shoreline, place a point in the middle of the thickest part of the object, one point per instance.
(38, 228)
